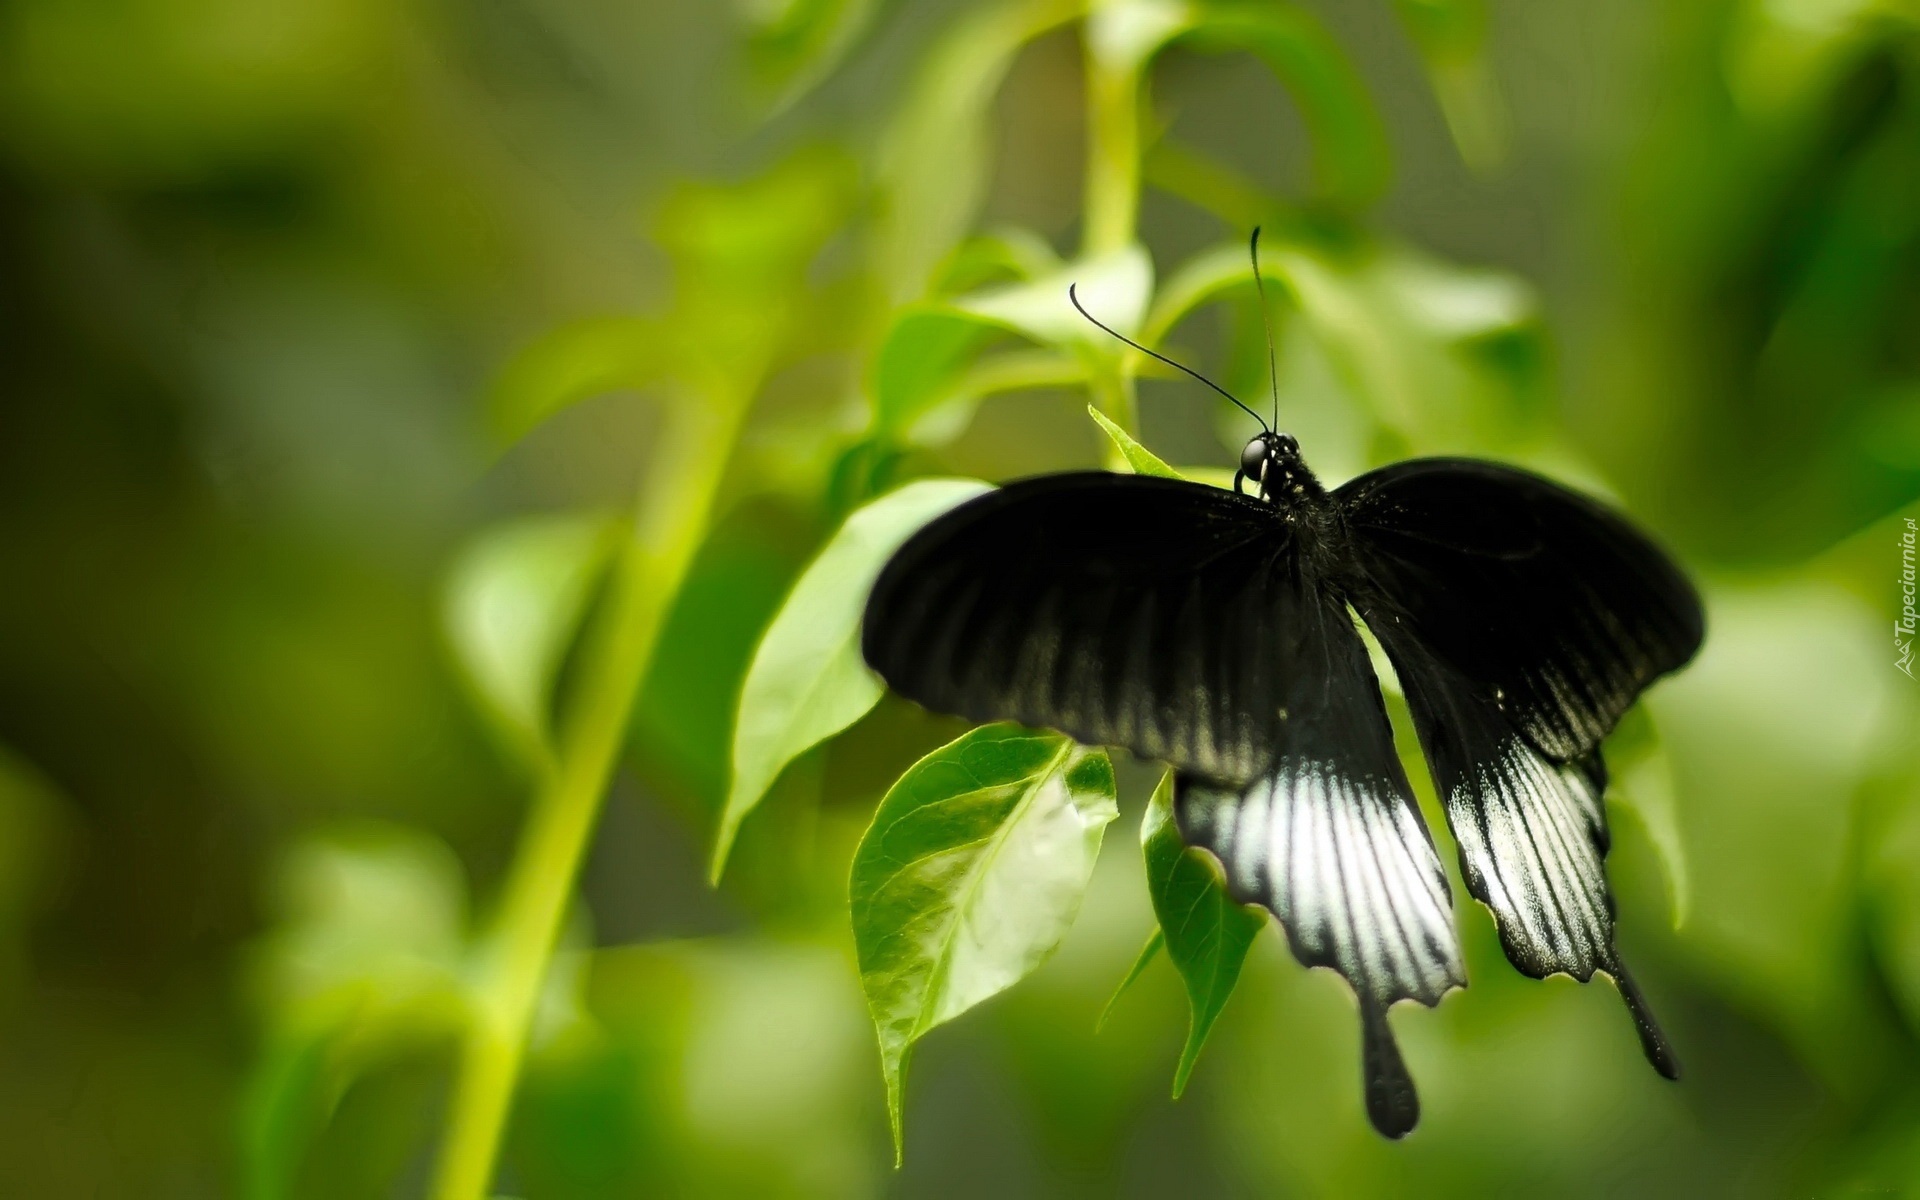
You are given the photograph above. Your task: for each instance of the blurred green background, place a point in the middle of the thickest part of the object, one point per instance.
(339, 338)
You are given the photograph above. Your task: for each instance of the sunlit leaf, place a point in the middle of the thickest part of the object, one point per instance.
(1207, 934)
(1122, 34)
(514, 603)
(934, 157)
(1142, 460)
(968, 878)
(807, 680)
(1114, 287)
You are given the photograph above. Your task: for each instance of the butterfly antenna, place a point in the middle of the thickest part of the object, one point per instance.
(1161, 357)
(1266, 322)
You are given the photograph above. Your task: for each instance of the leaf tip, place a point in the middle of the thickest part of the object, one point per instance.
(896, 1120)
(1190, 1055)
(727, 831)
(1141, 962)
(717, 864)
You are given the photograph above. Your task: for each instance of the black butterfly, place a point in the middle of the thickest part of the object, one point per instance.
(1215, 631)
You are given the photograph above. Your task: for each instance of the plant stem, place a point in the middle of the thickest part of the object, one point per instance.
(1112, 197)
(669, 524)
(1110, 209)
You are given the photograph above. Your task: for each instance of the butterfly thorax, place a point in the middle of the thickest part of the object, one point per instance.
(1272, 461)
(1288, 482)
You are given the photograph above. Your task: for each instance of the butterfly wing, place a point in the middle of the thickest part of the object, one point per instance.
(1329, 839)
(1547, 600)
(1186, 624)
(1522, 620)
(1123, 610)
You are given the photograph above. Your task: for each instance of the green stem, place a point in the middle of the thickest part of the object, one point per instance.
(1112, 199)
(669, 525)
(1111, 209)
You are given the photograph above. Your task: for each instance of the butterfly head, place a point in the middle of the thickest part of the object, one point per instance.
(1272, 460)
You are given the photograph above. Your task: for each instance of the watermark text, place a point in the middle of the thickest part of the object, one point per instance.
(1903, 625)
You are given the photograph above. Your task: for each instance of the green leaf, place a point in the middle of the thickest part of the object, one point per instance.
(807, 680)
(1642, 781)
(1409, 335)
(514, 602)
(925, 392)
(1892, 886)
(1442, 355)
(1010, 252)
(1219, 477)
(1788, 700)
(33, 830)
(573, 363)
(1123, 34)
(1113, 287)
(794, 44)
(947, 414)
(1142, 460)
(1451, 36)
(367, 910)
(925, 349)
(365, 962)
(1207, 183)
(1199, 280)
(934, 158)
(1156, 941)
(969, 877)
(1351, 159)
(1207, 933)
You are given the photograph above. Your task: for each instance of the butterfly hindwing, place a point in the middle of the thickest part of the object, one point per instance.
(1330, 841)
(1123, 610)
(1522, 620)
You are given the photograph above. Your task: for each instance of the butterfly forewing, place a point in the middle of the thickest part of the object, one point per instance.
(1544, 600)
(1124, 610)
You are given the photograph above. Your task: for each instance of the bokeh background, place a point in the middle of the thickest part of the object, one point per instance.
(313, 313)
